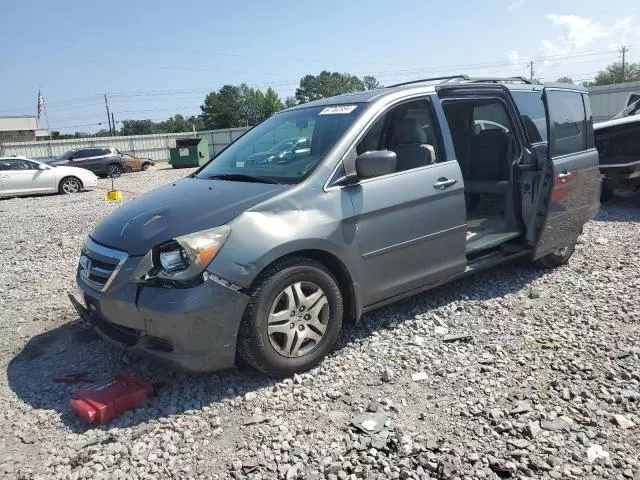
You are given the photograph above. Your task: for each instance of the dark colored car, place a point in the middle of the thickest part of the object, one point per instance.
(618, 143)
(400, 192)
(103, 161)
(284, 152)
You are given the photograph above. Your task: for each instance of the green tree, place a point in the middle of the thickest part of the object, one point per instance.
(327, 84)
(253, 105)
(371, 83)
(272, 102)
(223, 109)
(565, 80)
(290, 102)
(196, 121)
(177, 124)
(614, 74)
(137, 127)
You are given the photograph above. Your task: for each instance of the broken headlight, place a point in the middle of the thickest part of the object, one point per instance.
(183, 258)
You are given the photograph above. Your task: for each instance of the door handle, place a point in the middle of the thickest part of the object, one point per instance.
(564, 174)
(444, 182)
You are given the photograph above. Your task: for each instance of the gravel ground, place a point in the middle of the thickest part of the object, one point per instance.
(513, 373)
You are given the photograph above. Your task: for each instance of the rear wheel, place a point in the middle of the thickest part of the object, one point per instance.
(293, 319)
(557, 257)
(146, 165)
(114, 170)
(69, 185)
(606, 193)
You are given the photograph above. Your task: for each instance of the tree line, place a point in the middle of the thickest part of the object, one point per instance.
(240, 105)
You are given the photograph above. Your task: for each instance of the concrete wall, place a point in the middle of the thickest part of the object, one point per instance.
(155, 147)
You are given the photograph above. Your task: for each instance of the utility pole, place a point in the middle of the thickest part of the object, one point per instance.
(113, 123)
(623, 50)
(106, 104)
(531, 74)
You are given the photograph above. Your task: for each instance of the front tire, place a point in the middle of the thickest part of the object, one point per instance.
(69, 185)
(558, 257)
(293, 319)
(114, 170)
(145, 166)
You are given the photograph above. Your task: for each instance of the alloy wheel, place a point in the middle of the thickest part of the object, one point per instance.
(298, 319)
(70, 186)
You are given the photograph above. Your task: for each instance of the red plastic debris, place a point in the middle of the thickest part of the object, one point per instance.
(105, 400)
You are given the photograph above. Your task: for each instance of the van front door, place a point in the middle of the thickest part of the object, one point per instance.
(411, 224)
(570, 179)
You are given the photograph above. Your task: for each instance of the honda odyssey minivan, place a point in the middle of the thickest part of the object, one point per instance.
(400, 189)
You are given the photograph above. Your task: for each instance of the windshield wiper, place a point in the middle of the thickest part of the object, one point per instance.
(241, 177)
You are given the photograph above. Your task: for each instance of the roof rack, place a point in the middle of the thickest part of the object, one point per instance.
(432, 79)
(499, 79)
(465, 78)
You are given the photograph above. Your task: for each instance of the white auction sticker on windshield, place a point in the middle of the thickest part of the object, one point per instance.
(337, 109)
(240, 164)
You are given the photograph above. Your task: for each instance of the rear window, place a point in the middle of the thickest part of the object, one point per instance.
(568, 122)
(533, 115)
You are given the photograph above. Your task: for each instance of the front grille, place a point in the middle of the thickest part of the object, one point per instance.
(99, 264)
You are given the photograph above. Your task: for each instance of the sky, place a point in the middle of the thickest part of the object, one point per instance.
(155, 59)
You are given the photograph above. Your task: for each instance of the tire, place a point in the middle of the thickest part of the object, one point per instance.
(145, 166)
(557, 258)
(69, 185)
(114, 170)
(295, 342)
(606, 193)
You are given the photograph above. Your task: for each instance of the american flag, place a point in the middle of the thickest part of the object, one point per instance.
(40, 103)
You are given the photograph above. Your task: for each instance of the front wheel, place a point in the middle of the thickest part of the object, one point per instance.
(557, 257)
(69, 185)
(145, 166)
(114, 170)
(293, 318)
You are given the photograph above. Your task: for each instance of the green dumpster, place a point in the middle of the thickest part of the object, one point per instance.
(189, 152)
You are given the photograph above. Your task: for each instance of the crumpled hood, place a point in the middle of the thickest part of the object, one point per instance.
(186, 206)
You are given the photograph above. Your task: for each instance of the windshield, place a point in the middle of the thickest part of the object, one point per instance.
(283, 146)
(322, 126)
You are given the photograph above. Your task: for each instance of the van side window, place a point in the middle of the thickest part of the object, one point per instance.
(411, 131)
(533, 115)
(568, 122)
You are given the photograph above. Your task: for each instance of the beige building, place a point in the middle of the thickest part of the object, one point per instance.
(22, 128)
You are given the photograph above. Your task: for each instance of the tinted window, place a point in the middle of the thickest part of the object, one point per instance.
(82, 154)
(491, 116)
(17, 164)
(533, 115)
(568, 122)
(410, 130)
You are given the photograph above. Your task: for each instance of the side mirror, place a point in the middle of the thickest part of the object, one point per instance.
(42, 167)
(375, 163)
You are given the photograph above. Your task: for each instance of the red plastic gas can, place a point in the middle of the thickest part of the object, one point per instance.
(105, 400)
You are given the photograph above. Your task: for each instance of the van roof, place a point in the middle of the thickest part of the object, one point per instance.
(513, 83)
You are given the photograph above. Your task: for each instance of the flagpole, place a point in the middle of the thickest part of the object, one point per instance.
(46, 117)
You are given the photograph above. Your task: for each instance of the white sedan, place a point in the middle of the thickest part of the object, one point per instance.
(24, 176)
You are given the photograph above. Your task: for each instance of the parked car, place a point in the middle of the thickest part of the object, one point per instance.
(24, 176)
(399, 193)
(618, 142)
(283, 152)
(103, 161)
(136, 164)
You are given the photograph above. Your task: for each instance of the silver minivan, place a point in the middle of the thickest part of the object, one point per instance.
(400, 189)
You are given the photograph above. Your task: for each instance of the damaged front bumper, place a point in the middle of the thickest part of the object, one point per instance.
(194, 329)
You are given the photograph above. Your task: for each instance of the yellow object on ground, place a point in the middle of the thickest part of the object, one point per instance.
(113, 195)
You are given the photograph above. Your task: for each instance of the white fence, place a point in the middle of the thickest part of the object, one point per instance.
(155, 147)
(607, 100)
